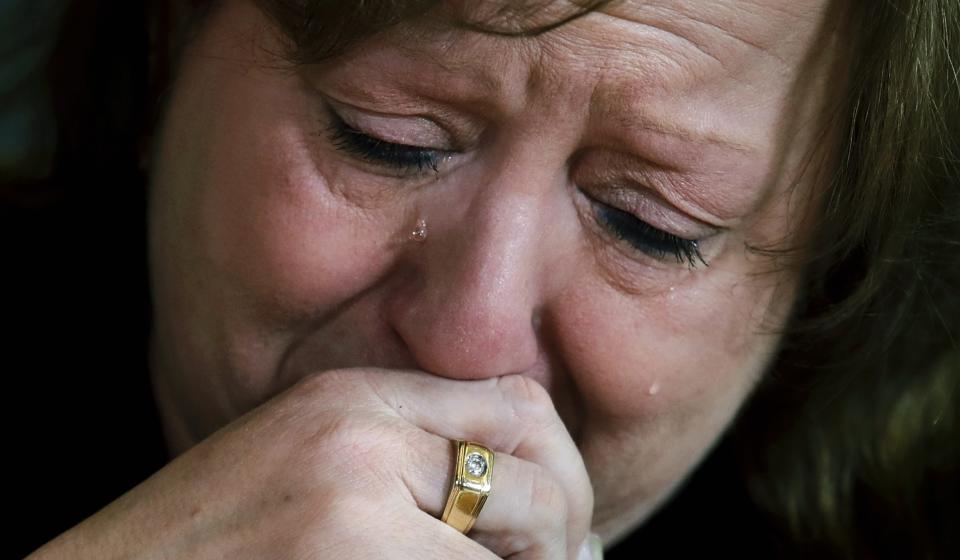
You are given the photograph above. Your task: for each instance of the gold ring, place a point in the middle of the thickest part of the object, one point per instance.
(471, 485)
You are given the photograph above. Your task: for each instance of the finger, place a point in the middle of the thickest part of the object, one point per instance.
(513, 415)
(410, 537)
(525, 515)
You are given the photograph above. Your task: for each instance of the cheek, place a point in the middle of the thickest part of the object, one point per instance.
(681, 352)
(662, 374)
(275, 233)
(249, 242)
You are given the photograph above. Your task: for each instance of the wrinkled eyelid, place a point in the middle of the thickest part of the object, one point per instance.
(385, 154)
(415, 125)
(648, 239)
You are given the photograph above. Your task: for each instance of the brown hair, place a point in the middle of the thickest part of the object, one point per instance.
(853, 438)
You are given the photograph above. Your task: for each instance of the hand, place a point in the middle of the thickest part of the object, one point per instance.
(357, 464)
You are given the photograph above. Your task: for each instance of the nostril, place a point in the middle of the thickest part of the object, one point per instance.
(536, 319)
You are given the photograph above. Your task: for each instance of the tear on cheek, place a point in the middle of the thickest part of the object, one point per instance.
(653, 389)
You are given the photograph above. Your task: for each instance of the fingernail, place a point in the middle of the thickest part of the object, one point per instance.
(591, 549)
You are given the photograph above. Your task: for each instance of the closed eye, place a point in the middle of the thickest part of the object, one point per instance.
(645, 238)
(399, 157)
(640, 235)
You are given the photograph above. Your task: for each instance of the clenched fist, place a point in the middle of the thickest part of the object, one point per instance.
(357, 464)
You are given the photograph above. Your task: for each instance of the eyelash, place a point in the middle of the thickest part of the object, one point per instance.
(647, 239)
(398, 156)
(625, 226)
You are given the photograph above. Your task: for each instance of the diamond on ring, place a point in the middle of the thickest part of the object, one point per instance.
(476, 464)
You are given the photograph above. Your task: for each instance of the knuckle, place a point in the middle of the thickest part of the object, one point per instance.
(347, 468)
(348, 437)
(351, 446)
(542, 529)
(523, 388)
(547, 499)
(529, 401)
(333, 438)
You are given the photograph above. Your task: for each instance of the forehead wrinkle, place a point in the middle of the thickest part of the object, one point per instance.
(448, 42)
(708, 40)
(524, 64)
(670, 128)
(702, 23)
(708, 25)
(660, 27)
(452, 51)
(631, 113)
(446, 54)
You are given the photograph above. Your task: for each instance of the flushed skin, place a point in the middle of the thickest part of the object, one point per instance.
(277, 257)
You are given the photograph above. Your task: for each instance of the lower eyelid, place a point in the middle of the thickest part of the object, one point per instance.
(623, 267)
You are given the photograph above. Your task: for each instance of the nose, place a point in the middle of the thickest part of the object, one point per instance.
(468, 303)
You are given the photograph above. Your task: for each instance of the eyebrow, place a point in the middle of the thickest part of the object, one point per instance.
(488, 82)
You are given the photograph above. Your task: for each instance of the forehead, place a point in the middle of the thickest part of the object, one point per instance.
(766, 28)
(725, 51)
(711, 73)
(771, 27)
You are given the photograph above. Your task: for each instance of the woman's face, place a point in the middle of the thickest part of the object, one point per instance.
(589, 198)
